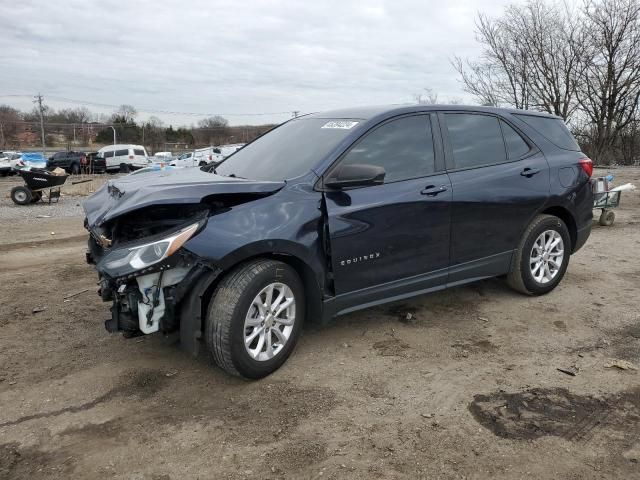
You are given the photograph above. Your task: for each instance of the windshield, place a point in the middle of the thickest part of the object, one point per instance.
(288, 151)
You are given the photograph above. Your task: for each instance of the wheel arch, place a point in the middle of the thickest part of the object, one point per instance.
(567, 217)
(293, 255)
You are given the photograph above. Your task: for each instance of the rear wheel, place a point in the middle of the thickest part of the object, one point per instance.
(542, 257)
(21, 195)
(255, 318)
(607, 217)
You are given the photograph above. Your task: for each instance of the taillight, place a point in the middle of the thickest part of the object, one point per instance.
(587, 166)
(130, 157)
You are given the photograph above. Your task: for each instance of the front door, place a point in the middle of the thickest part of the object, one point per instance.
(393, 235)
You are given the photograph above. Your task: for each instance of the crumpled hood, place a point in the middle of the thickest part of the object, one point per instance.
(183, 186)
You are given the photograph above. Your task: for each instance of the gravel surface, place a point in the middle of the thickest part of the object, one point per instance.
(70, 204)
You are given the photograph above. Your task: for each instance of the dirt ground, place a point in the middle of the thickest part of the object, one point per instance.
(468, 388)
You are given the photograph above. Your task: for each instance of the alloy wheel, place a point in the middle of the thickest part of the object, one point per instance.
(269, 322)
(546, 256)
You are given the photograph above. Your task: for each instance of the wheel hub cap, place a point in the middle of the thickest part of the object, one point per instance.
(547, 255)
(269, 322)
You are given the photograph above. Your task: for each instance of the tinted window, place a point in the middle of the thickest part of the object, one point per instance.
(288, 151)
(403, 147)
(475, 139)
(138, 152)
(553, 129)
(516, 146)
(107, 154)
(122, 153)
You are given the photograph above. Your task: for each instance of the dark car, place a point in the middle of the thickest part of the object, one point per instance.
(94, 163)
(70, 161)
(335, 212)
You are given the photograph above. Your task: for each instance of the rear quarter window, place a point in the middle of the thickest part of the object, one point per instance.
(121, 153)
(139, 152)
(553, 129)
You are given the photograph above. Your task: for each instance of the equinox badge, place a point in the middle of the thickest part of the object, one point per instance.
(364, 258)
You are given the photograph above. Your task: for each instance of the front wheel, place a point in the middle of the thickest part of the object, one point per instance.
(542, 257)
(21, 195)
(255, 318)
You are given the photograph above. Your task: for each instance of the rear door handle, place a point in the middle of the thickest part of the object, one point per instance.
(432, 190)
(529, 172)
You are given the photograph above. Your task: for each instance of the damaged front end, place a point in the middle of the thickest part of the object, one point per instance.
(141, 264)
(137, 248)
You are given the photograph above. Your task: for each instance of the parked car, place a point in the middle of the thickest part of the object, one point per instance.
(124, 158)
(335, 212)
(70, 161)
(94, 163)
(31, 160)
(198, 158)
(8, 162)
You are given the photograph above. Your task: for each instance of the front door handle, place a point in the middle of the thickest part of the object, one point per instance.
(529, 172)
(432, 190)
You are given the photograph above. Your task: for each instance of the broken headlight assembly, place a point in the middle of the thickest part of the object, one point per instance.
(125, 260)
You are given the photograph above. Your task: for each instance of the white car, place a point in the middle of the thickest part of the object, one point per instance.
(124, 158)
(8, 162)
(198, 158)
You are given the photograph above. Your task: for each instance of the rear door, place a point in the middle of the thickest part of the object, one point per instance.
(499, 180)
(394, 235)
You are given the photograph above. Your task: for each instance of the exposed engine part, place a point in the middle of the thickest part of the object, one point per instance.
(151, 306)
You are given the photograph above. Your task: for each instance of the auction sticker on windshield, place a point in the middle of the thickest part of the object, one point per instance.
(343, 124)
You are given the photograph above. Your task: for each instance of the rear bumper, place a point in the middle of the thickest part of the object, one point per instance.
(581, 237)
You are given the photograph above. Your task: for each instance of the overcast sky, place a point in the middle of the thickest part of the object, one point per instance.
(234, 57)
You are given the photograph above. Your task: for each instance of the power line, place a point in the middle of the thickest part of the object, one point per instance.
(151, 110)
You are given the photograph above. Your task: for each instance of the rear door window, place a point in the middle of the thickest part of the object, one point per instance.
(403, 147)
(122, 153)
(517, 147)
(553, 129)
(475, 139)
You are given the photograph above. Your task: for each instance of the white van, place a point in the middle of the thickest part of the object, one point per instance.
(124, 157)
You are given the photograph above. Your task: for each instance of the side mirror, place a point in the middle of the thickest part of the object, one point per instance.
(357, 175)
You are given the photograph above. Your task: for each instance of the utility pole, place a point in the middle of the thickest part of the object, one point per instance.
(38, 100)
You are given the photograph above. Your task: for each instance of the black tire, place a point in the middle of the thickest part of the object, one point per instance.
(607, 217)
(36, 197)
(225, 329)
(124, 168)
(21, 195)
(75, 169)
(520, 278)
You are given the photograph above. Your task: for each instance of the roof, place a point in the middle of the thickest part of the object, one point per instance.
(369, 112)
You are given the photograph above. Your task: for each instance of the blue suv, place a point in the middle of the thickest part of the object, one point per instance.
(335, 212)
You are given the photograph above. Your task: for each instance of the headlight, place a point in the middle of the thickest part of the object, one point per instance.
(126, 260)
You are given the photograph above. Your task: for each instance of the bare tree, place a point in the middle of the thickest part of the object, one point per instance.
(213, 130)
(125, 113)
(531, 59)
(610, 93)
(428, 97)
